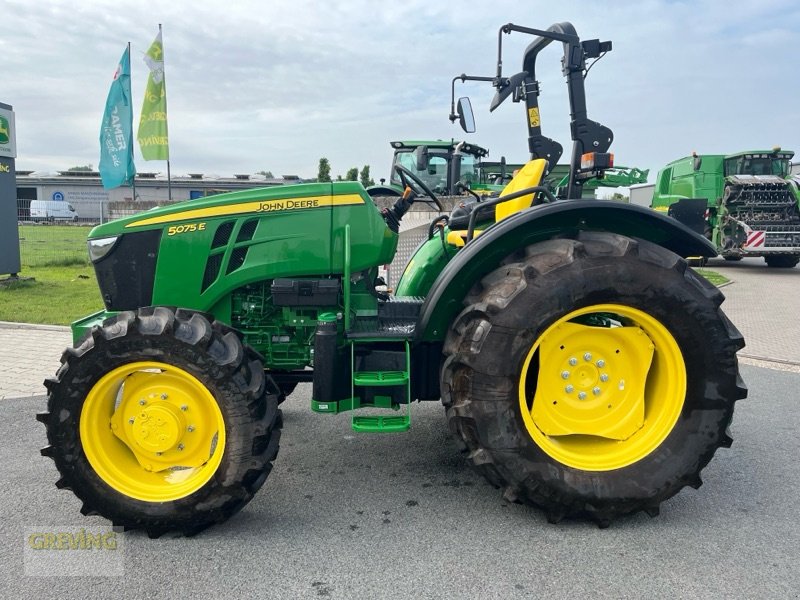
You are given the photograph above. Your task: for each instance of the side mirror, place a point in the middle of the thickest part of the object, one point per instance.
(465, 117)
(421, 157)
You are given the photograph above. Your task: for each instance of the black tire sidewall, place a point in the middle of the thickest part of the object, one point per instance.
(588, 281)
(247, 414)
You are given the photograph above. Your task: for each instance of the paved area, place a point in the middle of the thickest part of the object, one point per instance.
(28, 355)
(348, 515)
(763, 303)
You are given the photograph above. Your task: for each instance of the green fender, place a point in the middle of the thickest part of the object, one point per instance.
(384, 190)
(483, 254)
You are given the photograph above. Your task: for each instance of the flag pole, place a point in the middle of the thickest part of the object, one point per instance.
(130, 145)
(169, 175)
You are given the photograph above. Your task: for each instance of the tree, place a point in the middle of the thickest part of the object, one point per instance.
(365, 179)
(352, 174)
(81, 169)
(324, 172)
(267, 174)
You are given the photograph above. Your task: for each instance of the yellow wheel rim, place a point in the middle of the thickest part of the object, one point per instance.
(602, 387)
(152, 431)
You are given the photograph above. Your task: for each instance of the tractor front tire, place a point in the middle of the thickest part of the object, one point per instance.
(592, 377)
(162, 420)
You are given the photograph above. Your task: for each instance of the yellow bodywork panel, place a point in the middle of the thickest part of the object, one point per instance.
(529, 176)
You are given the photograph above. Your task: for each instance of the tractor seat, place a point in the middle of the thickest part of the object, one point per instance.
(528, 176)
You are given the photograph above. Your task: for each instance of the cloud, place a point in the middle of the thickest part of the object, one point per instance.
(276, 85)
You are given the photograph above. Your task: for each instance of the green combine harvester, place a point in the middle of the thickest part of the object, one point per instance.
(746, 203)
(583, 366)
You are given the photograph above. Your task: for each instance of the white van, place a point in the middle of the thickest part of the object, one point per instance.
(51, 210)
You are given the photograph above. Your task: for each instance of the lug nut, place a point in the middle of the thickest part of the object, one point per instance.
(569, 389)
(573, 361)
(596, 391)
(163, 396)
(131, 420)
(587, 356)
(180, 446)
(142, 402)
(159, 453)
(190, 428)
(184, 408)
(603, 377)
(601, 363)
(581, 395)
(564, 374)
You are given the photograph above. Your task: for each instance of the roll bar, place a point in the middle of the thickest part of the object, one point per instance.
(587, 135)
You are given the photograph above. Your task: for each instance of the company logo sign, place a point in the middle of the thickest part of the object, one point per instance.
(8, 146)
(5, 130)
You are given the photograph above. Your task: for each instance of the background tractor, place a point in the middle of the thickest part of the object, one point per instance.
(583, 366)
(432, 161)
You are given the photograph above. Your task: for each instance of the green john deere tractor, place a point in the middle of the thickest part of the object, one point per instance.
(432, 161)
(584, 367)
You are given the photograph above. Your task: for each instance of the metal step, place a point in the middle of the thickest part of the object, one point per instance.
(380, 378)
(365, 382)
(382, 423)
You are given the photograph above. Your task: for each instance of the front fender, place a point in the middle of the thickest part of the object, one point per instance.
(483, 254)
(384, 190)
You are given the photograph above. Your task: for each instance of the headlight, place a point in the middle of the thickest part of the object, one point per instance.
(99, 247)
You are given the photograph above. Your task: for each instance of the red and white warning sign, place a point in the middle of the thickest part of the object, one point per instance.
(755, 239)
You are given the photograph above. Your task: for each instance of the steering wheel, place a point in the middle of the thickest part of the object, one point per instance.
(407, 178)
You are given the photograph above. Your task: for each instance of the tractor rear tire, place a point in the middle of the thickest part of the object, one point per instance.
(782, 261)
(497, 374)
(162, 420)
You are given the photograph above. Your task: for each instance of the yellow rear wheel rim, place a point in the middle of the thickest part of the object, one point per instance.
(602, 387)
(152, 431)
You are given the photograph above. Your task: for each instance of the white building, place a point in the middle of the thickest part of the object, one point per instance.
(84, 191)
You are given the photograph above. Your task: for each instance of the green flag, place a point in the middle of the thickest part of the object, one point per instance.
(116, 133)
(152, 135)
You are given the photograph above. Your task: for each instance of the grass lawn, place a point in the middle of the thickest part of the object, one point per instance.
(59, 295)
(65, 287)
(713, 276)
(51, 245)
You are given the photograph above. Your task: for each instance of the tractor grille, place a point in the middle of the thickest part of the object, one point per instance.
(222, 235)
(237, 259)
(126, 274)
(247, 231)
(211, 273)
(222, 239)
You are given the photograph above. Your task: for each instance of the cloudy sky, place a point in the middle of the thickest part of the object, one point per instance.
(276, 84)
